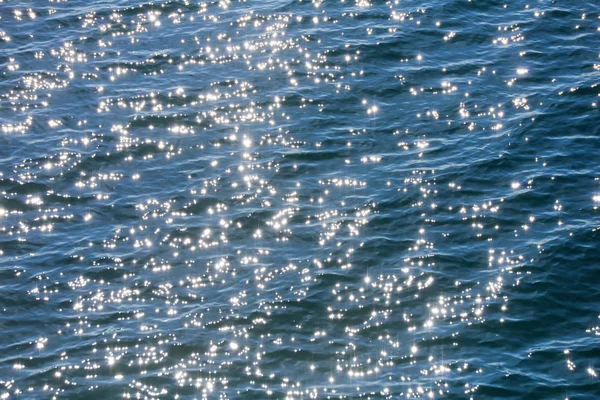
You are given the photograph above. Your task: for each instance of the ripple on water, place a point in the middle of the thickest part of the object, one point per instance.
(298, 199)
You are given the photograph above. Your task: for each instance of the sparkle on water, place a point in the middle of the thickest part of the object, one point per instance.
(301, 199)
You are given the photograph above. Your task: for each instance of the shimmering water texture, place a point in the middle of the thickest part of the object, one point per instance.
(299, 199)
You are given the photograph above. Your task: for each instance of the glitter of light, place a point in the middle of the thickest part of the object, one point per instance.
(515, 185)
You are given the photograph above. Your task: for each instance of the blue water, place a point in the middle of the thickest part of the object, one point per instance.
(299, 199)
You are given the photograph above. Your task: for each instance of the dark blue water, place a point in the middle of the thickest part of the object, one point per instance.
(299, 199)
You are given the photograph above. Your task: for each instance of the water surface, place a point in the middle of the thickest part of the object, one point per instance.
(299, 199)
